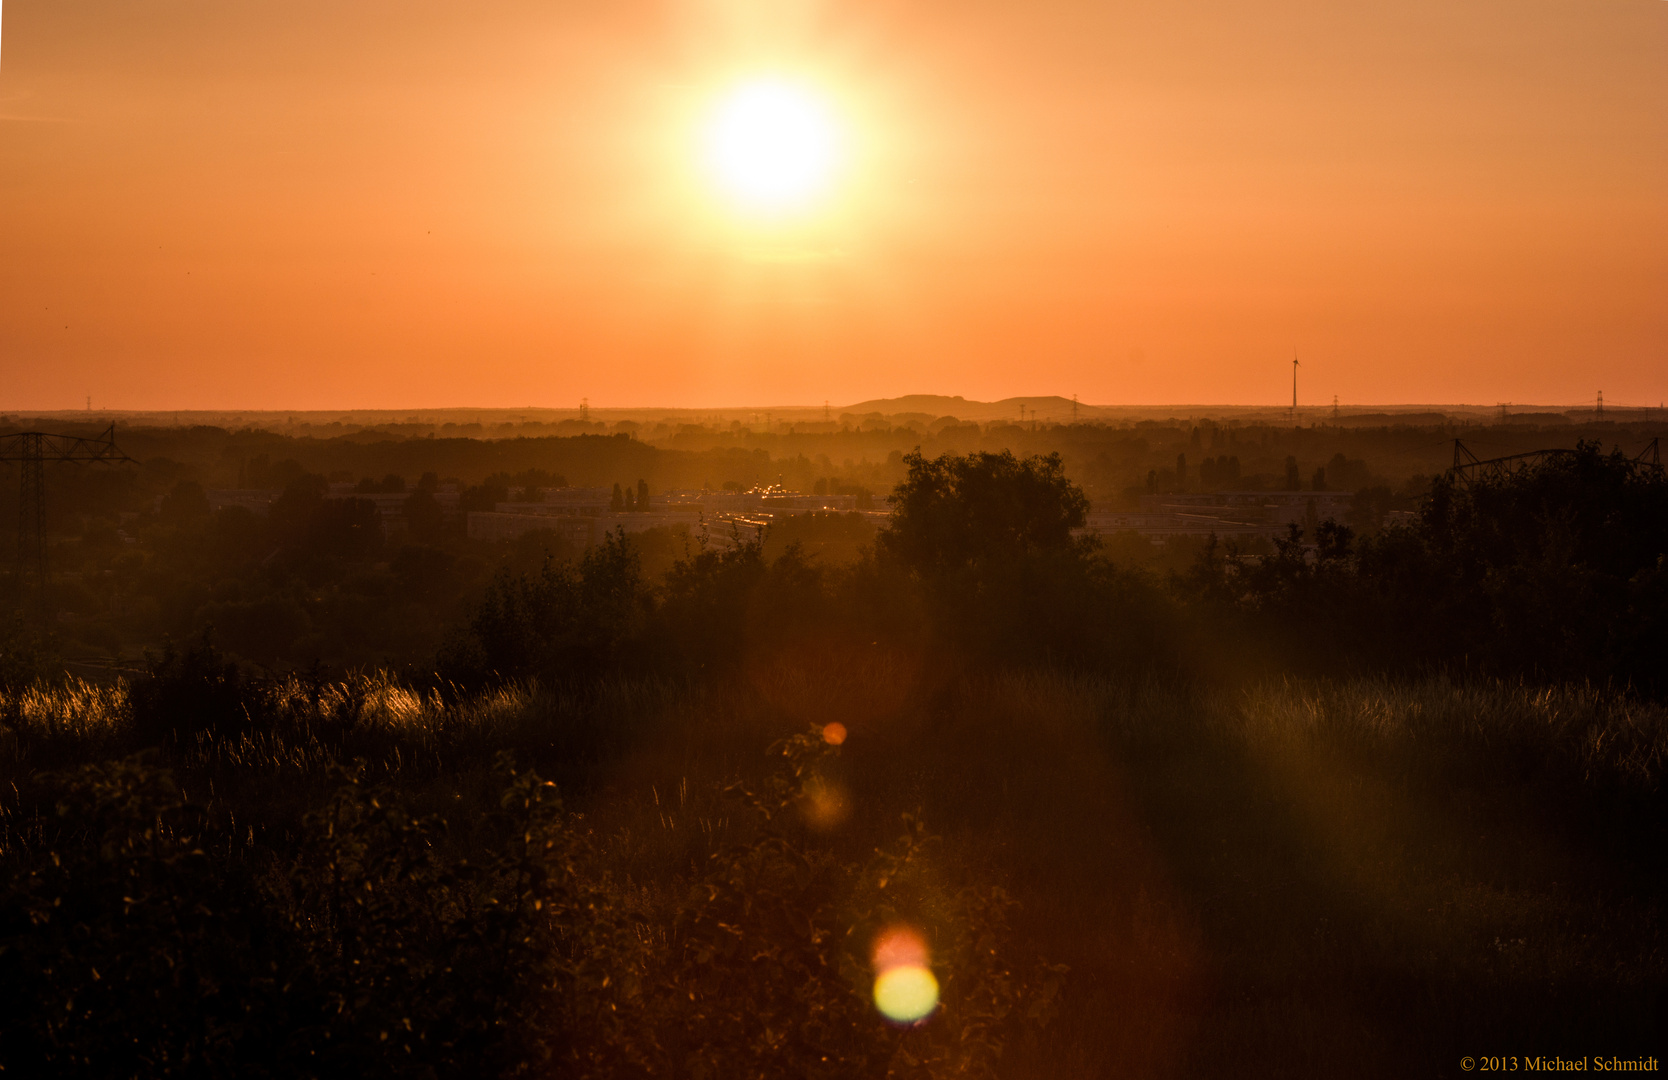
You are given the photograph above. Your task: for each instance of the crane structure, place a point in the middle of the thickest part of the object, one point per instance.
(32, 450)
(1468, 468)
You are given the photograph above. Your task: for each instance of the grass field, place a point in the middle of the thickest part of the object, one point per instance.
(1285, 878)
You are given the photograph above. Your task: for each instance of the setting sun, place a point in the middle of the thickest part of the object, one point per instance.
(772, 146)
(834, 538)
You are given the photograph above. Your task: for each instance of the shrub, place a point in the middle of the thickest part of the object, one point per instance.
(26, 657)
(565, 623)
(125, 948)
(185, 694)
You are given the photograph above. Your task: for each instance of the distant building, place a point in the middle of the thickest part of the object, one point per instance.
(256, 500)
(571, 500)
(490, 525)
(583, 516)
(767, 499)
(1159, 527)
(1224, 514)
(1266, 507)
(390, 506)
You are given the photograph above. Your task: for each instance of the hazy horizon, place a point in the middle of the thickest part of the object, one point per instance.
(1052, 407)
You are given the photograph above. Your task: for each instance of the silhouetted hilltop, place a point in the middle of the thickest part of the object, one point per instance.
(1042, 408)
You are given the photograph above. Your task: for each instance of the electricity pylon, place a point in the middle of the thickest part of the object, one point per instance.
(32, 450)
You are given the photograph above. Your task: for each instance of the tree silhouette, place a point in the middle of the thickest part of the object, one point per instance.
(954, 511)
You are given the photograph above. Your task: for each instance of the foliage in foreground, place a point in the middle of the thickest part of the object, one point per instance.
(137, 936)
(1443, 857)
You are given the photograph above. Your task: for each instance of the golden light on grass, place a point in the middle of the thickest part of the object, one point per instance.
(906, 992)
(772, 146)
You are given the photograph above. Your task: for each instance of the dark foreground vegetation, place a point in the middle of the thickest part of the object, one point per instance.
(1362, 806)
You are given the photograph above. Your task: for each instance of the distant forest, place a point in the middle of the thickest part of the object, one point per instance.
(138, 559)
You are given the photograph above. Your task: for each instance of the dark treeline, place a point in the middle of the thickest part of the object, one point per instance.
(979, 566)
(221, 870)
(1555, 573)
(137, 558)
(1551, 574)
(1111, 463)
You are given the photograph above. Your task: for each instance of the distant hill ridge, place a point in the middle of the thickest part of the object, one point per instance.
(1044, 408)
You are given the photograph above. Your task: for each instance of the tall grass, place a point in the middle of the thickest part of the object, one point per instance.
(74, 714)
(1605, 737)
(1244, 880)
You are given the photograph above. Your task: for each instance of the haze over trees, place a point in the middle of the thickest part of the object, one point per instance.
(137, 559)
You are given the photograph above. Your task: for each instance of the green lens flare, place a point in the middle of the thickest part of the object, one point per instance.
(906, 994)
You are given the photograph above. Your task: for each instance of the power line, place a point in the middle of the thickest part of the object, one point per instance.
(1468, 467)
(32, 450)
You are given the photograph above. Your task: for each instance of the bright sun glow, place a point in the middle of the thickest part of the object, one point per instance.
(772, 146)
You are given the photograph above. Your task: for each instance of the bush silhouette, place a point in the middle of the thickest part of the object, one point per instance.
(953, 512)
(185, 694)
(562, 625)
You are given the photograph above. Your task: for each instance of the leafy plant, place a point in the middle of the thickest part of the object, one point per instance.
(125, 947)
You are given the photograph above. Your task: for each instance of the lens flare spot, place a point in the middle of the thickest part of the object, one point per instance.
(834, 734)
(906, 994)
(824, 804)
(905, 989)
(898, 946)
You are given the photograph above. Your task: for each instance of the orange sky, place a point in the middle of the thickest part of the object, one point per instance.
(334, 203)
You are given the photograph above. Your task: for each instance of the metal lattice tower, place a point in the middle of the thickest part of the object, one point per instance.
(31, 515)
(32, 450)
(1468, 467)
